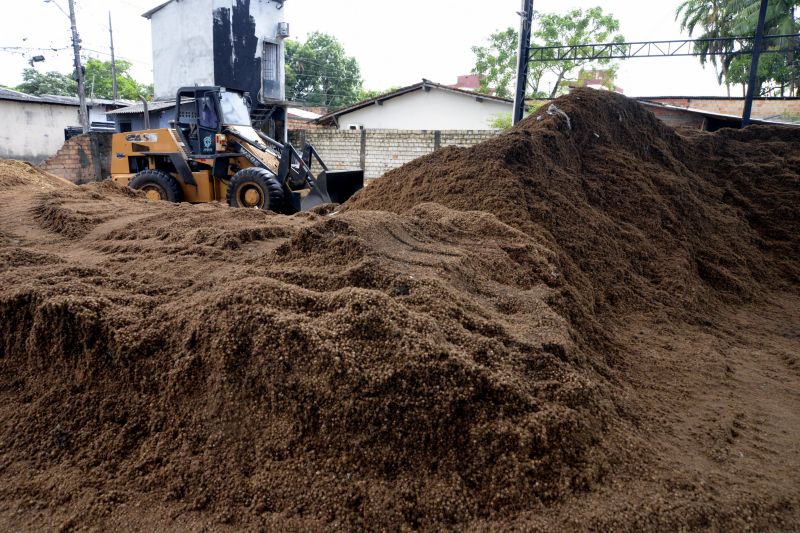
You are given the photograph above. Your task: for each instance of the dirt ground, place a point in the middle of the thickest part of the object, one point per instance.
(589, 325)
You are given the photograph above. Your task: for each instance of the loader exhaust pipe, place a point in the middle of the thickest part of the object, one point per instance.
(146, 113)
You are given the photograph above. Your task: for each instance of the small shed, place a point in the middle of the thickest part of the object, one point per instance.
(684, 117)
(131, 118)
(34, 127)
(422, 106)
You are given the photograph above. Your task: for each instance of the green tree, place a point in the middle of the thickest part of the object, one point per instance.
(503, 121)
(575, 28)
(365, 94)
(100, 82)
(319, 72)
(780, 21)
(497, 62)
(737, 18)
(773, 72)
(780, 16)
(710, 19)
(36, 83)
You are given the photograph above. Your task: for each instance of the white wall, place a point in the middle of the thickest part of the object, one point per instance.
(183, 49)
(97, 113)
(267, 16)
(434, 110)
(33, 131)
(183, 53)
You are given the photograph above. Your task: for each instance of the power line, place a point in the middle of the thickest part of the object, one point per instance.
(32, 48)
(118, 56)
(324, 77)
(311, 62)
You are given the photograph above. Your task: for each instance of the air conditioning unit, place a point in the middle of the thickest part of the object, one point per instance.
(355, 126)
(283, 30)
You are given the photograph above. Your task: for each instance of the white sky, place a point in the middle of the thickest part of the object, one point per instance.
(396, 42)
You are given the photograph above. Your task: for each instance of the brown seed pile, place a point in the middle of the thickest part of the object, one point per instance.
(440, 353)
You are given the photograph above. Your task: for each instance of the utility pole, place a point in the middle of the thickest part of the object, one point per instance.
(757, 42)
(76, 46)
(523, 57)
(113, 60)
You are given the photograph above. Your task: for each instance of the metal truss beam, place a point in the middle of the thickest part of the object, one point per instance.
(678, 48)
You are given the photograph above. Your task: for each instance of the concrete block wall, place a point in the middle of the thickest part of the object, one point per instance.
(82, 159)
(388, 149)
(379, 151)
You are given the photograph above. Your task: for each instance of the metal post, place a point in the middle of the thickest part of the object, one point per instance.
(523, 57)
(113, 60)
(751, 87)
(790, 56)
(146, 112)
(76, 46)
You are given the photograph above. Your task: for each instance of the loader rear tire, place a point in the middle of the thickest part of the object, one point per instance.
(157, 185)
(255, 188)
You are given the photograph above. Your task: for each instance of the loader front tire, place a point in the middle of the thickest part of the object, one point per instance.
(255, 188)
(157, 185)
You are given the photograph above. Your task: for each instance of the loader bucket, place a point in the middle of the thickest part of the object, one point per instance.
(334, 187)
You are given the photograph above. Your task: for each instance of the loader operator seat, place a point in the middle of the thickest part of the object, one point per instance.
(198, 119)
(187, 125)
(208, 125)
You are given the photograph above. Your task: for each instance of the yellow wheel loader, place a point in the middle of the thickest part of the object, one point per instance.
(211, 152)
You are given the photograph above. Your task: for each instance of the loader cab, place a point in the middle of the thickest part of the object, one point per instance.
(202, 112)
(198, 118)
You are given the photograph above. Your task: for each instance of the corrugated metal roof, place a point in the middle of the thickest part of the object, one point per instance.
(10, 94)
(139, 108)
(302, 114)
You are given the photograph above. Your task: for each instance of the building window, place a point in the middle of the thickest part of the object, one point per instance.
(270, 61)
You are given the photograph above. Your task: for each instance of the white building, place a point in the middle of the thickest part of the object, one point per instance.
(423, 106)
(238, 44)
(34, 126)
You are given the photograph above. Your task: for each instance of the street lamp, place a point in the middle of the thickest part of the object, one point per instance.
(58, 6)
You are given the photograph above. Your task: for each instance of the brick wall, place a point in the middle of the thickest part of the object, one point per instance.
(82, 159)
(297, 124)
(379, 151)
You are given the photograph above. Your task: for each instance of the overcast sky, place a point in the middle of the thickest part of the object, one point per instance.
(396, 42)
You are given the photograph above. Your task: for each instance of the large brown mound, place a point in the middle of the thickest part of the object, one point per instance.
(639, 215)
(364, 368)
(19, 173)
(479, 361)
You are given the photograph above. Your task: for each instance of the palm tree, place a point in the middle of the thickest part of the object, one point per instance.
(713, 20)
(733, 18)
(780, 21)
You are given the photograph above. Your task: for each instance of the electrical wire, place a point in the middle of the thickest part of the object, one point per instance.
(117, 56)
(33, 48)
(327, 68)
